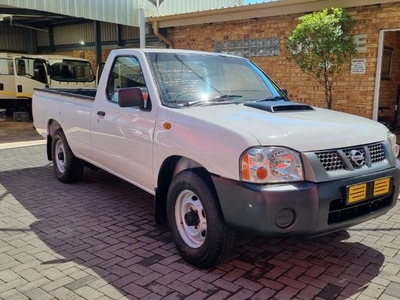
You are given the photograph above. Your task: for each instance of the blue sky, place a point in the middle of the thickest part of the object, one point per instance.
(253, 1)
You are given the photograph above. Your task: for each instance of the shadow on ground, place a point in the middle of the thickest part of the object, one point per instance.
(106, 225)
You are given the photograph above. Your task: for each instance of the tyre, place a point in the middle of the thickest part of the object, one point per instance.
(67, 167)
(196, 222)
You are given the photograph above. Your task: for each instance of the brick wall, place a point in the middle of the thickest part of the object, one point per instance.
(353, 93)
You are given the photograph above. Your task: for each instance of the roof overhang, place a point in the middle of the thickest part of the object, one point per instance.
(34, 19)
(254, 11)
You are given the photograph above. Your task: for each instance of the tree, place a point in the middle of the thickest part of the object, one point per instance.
(321, 45)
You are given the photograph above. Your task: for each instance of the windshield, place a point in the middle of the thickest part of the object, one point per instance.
(186, 79)
(71, 71)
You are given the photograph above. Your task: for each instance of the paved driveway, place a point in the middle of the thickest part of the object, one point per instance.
(97, 240)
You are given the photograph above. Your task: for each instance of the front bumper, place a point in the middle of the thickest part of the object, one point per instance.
(304, 208)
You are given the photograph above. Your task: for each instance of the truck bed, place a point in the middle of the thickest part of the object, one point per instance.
(88, 94)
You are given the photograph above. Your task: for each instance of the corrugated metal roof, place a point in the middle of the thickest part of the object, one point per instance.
(123, 12)
(170, 7)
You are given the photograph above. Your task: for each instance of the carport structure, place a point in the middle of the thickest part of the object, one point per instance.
(28, 24)
(47, 26)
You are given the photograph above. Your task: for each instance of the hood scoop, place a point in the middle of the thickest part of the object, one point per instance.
(279, 106)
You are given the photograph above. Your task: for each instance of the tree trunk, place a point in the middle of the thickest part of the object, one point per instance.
(328, 90)
(330, 95)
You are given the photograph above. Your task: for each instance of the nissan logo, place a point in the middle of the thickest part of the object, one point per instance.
(357, 158)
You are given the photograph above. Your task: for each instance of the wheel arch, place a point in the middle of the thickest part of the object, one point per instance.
(52, 127)
(170, 167)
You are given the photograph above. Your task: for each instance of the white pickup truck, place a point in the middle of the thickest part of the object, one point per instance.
(221, 148)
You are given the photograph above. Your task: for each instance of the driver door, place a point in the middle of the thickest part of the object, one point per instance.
(122, 137)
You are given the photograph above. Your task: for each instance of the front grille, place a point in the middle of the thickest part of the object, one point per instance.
(340, 159)
(340, 212)
(348, 151)
(376, 152)
(330, 160)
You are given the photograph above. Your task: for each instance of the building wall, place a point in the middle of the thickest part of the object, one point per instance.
(13, 39)
(353, 93)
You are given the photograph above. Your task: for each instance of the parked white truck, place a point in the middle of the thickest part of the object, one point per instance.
(221, 148)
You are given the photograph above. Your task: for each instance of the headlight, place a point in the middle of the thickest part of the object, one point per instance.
(271, 164)
(391, 137)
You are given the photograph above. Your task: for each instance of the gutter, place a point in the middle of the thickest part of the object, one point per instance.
(160, 36)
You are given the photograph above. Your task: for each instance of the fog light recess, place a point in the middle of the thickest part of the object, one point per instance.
(285, 218)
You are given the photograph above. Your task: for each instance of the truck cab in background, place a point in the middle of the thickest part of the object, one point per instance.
(21, 73)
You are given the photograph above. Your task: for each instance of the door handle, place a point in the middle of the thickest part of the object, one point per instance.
(101, 113)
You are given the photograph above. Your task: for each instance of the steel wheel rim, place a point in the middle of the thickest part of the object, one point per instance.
(189, 204)
(60, 156)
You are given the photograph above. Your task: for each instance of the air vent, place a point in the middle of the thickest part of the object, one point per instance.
(279, 106)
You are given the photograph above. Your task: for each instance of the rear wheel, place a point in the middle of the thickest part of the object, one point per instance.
(196, 222)
(67, 167)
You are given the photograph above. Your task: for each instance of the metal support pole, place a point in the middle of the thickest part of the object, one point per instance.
(98, 42)
(120, 42)
(51, 39)
(142, 26)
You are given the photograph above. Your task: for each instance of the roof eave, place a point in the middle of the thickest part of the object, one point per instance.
(254, 11)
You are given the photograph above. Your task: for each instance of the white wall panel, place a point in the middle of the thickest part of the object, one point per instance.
(169, 7)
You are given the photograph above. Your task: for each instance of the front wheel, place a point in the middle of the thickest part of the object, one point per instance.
(196, 222)
(67, 167)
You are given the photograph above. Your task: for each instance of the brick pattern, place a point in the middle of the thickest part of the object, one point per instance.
(352, 93)
(97, 240)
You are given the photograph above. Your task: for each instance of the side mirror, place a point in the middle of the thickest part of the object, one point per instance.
(131, 97)
(284, 91)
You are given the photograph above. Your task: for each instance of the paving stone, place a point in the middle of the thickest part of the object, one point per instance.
(97, 240)
(38, 293)
(263, 294)
(393, 289)
(13, 295)
(286, 293)
(330, 292)
(135, 290)
(65, 294)
(8, 276)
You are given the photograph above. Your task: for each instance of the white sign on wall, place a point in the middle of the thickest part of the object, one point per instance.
(358, 65)
(361, 42)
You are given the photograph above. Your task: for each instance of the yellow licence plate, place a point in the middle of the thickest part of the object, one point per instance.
(367, 190)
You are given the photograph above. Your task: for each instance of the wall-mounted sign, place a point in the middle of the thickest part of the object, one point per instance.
(361, 42)
(358, 65)
(251, 47)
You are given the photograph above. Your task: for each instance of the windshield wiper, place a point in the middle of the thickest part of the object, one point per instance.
(276, 98)
(219, 99)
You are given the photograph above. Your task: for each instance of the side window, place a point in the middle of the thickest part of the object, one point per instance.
(21, 69)
(6, 67)
(126, 72)
(39, 71)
